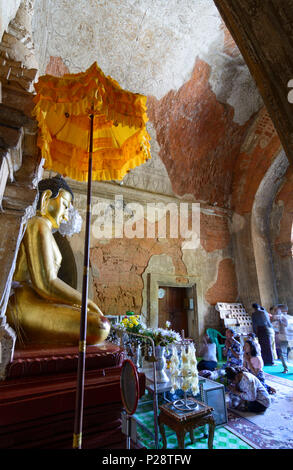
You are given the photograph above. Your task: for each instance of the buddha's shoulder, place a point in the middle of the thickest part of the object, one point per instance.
(37, 223)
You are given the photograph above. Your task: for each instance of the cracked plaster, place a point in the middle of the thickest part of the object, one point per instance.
(149, 46)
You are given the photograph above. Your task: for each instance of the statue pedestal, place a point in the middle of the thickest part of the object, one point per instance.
(37, 398)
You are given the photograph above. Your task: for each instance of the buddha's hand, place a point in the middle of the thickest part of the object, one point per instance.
(100, 319)
(92, 307)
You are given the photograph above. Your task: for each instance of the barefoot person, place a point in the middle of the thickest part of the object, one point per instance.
(283, 333)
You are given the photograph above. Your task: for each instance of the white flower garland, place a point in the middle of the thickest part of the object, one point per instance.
(184, 373)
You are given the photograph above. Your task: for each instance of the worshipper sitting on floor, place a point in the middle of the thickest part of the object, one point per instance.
(246, 392)
(253, 362)
(234, 353)
(283, 333)
(208, 352)
(233, 350)
(263, 329)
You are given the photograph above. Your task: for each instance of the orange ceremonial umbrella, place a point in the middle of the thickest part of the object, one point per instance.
(89, 129)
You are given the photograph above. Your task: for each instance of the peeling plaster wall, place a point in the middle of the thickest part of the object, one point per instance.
(212, 139)
(178, 53)
(244, 260)
(160, 39)
(17, 32)
(199, 142)
(119, 267)
(142, 44)
(8, 11)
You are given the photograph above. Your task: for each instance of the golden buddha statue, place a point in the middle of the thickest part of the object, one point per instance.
(43, 308)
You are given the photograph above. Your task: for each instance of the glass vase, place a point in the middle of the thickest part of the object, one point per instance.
(161, 364)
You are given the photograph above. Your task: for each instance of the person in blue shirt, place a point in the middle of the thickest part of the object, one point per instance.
(233, 350)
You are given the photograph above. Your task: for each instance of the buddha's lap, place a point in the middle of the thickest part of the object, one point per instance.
(36, 314)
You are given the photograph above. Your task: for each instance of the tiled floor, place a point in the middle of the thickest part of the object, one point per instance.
(223, 439)
(277, 370)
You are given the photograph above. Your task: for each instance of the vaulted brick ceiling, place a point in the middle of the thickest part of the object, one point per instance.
(263, 31)
(202, 99)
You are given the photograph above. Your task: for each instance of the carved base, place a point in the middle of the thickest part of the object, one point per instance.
(37, 399)
(42, 360)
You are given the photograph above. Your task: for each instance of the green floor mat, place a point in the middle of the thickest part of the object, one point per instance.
(277, 370)
(223, 439)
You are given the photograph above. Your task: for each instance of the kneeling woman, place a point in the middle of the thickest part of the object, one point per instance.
(246, 391)
(253, 362)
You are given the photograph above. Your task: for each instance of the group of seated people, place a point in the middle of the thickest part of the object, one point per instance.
(243, 369)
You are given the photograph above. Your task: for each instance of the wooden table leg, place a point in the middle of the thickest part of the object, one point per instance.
(162, 431)
(180, 439)
(211, 432)
(191, 436)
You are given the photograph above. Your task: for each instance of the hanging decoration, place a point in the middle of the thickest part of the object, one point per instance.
(184, 374)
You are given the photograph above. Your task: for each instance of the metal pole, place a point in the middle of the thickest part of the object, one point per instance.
(128, 432)
(78, 418)
(155, 399)
(155, 394)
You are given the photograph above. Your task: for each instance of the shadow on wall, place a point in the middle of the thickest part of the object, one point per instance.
(68, 269)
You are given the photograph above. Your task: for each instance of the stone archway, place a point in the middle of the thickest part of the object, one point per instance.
(260, 229)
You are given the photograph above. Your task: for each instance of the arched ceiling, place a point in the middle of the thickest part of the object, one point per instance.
(202, 99)
(263, 31)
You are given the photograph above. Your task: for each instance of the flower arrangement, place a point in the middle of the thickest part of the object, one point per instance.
(183, 369)
(131, 324)
(160, 336)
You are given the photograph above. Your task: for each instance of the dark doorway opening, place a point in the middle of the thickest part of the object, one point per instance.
(174, 304)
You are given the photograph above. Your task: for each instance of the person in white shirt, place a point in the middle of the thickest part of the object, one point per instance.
(283, 334)
(246, 391)
(209, 355)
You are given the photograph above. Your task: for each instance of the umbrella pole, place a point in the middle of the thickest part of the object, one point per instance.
(78, 418)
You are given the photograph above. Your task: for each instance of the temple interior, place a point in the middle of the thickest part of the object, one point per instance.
(216, 74)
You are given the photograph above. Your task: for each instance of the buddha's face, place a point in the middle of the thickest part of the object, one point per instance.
(57, 209)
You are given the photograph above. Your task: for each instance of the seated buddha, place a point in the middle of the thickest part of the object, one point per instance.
(43, 308)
